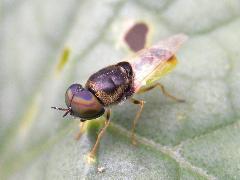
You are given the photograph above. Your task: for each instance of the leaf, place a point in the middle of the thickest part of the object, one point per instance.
(198, 139)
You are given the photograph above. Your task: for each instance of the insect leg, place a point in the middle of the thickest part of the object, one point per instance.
(81, 130)
(145, 89)
(135, 121)
(100, 134)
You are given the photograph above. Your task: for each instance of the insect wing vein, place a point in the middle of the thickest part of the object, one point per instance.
(152, 63)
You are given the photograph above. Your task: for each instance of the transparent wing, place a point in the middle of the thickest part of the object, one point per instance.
(152, 63)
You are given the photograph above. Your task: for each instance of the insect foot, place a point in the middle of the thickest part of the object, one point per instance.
(91, 158)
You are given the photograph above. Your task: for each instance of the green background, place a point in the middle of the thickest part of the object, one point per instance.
(199, 139)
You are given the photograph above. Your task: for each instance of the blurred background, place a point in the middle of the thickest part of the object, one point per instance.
(47, 45)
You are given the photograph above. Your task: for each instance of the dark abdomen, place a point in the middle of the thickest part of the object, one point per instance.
(112, 84)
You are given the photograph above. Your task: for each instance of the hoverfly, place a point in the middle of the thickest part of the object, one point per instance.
(119, 82)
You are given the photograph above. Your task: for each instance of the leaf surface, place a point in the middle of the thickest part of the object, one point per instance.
(198, 139)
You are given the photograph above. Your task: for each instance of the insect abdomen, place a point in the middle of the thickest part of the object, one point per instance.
(112, 84)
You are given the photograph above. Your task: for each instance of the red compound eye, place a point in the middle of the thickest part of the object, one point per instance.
(83, 103)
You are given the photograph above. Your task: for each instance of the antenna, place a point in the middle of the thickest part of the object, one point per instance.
(68, 110)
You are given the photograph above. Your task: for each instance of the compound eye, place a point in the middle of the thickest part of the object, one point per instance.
(72, 91)
(83, 103)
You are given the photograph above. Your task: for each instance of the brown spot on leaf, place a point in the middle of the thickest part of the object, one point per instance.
(136, 36)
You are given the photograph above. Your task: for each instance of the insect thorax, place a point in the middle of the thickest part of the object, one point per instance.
(112, 84)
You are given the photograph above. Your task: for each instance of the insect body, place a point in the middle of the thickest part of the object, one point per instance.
(112, 84)
(116, 83)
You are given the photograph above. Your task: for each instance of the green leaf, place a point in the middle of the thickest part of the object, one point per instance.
(198, 139)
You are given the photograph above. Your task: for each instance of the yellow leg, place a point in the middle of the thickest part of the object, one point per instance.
(135, 121)
(92, 154)
(163, 91)
(81, 130)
